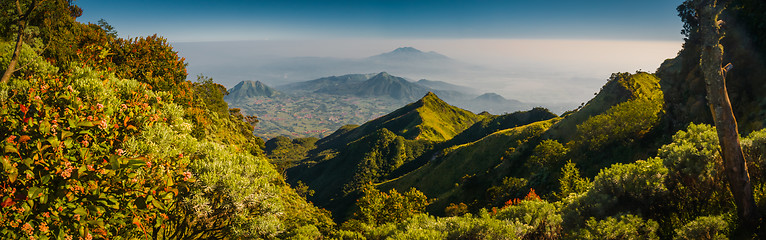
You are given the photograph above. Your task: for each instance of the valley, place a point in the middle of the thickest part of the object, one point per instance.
(318, 107)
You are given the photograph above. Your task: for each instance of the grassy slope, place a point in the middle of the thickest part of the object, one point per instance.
(369, 153)
(463, 173)
(429, 118)
(438, 177)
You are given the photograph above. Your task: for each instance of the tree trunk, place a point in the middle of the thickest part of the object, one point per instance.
(16, 52)
(726, 125)
(22, 25)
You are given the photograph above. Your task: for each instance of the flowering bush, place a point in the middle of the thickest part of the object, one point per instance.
(65, 172)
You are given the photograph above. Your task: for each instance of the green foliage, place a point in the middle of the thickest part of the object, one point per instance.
(66, 170)
(623, 227)
(707, 228)
(510, 188)
(211, 94)
(423, 226)
(547, 156)
(696, 176)
(635, 187)
(491, 124)
(543, 218)
(30, 63)
(285, 153)
(625, 121)
(570, 181)
(380, 154)
(439, 176)
(694, 154)
(376, 208)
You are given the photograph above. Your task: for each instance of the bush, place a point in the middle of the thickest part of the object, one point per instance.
(542, 217)
(66, 170)
(623, 227)
(696, 175)
(377, 208)
(635, 187)
(704, 228)
(570, 181)
(423, 226)
(547, 155)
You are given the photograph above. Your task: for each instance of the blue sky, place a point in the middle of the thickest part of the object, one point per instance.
(210, 20)
(540, 51)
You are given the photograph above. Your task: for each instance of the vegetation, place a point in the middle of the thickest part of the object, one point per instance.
(104, 145)
(107, 139)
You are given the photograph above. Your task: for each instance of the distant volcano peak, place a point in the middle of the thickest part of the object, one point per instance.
(407, 50)
(410, 53)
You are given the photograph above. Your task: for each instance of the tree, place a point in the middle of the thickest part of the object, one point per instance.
(21, 22)
(711, 57)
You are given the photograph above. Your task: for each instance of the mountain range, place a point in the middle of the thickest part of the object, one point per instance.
(348, 99)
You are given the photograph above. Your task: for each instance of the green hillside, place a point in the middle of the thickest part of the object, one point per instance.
(104, 138)
(473, 166)
(429, 118)
(353, 156)
(441, 177)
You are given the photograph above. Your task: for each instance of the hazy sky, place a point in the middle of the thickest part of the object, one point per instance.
(541, 51)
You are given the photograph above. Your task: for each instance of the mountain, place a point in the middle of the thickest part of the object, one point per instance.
(249, 89)
(494, 103)
(354, 156)
(408, 54)
(384, 84)
(365, 85)
(445, 86)
(490, 97)
(326, 83)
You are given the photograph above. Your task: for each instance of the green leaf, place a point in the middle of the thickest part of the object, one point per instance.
(66, 134)
(158, 204)
(33, 192)
(135, 163)
(11, 149)
(53, 141)
(85, 124)
(81, 211)
(115, 161)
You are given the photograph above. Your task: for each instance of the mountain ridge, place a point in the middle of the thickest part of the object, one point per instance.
(248, 89)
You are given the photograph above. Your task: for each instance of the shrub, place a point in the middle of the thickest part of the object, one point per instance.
(377, 208)
(66, 171)
(547, 155)
(696, 176)
(623, 227)
(570, 181)
(542, 217)
(635, 187)
(704, 228)
(423, 226)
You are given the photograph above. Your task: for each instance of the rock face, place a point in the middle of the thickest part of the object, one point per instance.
(249, 89)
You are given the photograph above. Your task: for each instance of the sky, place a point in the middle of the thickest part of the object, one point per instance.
(224, 20)
(541, 51)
